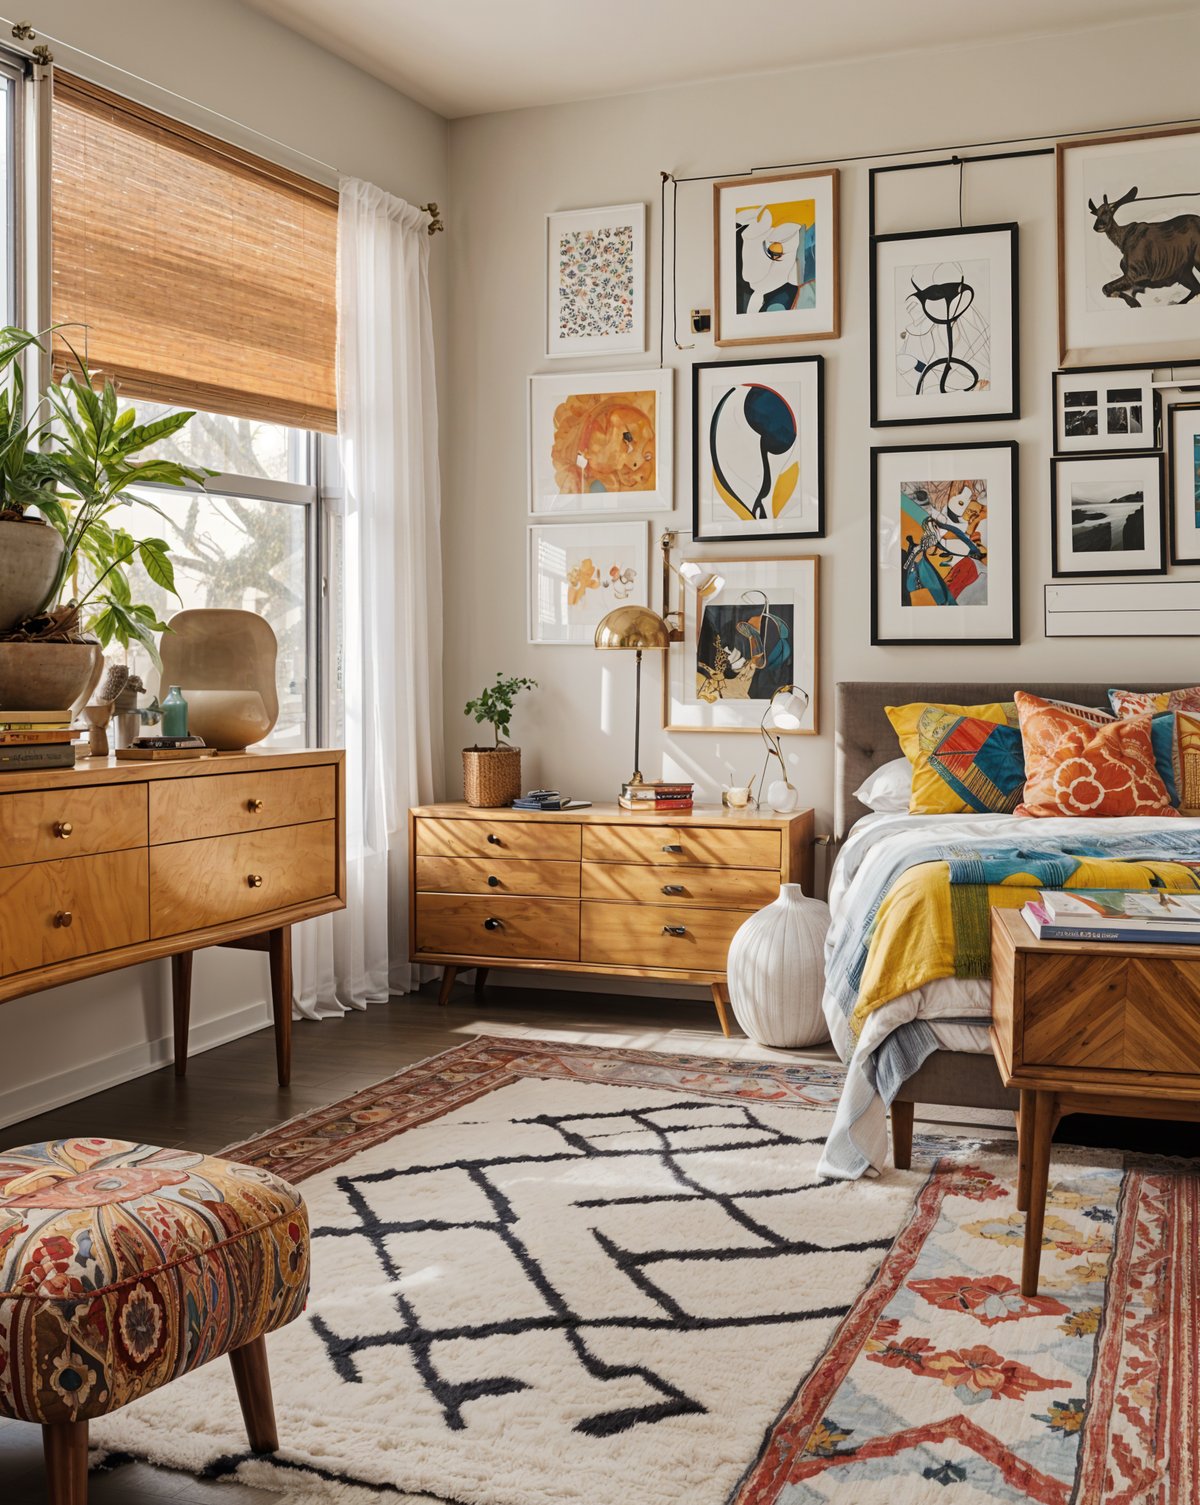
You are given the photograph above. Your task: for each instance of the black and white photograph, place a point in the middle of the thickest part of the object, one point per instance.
(1106, 408)
(1108, 516)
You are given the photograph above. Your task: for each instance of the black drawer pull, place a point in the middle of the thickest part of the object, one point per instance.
(674, 929)
(672, 888)
(492, 923)
(673, 847)
(494, 839)
(493, 881)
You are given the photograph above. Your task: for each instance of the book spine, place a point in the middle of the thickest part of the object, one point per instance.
(56, 755)
(7, 727)
(1111, 933)
(35, 739)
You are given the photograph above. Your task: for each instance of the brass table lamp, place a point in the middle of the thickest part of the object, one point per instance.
(639, 628)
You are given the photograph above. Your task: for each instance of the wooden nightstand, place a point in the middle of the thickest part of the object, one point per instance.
(1085, 1027)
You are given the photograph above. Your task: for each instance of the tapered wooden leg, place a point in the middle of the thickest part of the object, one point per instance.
(253, 1380)
(1025, 1117)
(902, 1134)
(66, 1447)
(279, 948)
(718, 992)
(448, 976)
(1039, 1175)
(481, 976)
(181, 997)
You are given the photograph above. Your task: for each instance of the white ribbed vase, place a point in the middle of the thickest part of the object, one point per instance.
(776, 971)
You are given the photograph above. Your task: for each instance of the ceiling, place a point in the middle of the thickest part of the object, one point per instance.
(469, 57)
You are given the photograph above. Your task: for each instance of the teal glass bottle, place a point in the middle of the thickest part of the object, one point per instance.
(174, 714)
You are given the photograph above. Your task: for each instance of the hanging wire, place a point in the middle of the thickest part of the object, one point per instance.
(675, 269)
(961, 166)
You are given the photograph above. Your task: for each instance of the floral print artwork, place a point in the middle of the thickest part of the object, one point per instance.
(596, 282)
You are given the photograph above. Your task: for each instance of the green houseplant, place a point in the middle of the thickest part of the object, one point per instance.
(73, 462)
(492, 775)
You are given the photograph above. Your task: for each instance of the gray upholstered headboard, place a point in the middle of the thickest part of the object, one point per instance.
(866, 740)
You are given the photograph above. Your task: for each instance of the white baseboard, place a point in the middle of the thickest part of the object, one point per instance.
(124, 1065)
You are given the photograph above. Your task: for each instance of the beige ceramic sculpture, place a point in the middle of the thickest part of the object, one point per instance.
(224, 661)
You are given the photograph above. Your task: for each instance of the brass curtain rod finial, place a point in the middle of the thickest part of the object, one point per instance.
(435, 218)
(23, 32)
(43, 55)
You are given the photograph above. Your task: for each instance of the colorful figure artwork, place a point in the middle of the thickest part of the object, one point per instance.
(578, 572)
(776, 256)
(752, 437)
(605, 442)
(1185, 482)
(595, 281)
(943, 543)
(745, 650)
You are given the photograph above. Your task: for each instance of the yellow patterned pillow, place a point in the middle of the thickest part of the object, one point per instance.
(1189, 762)
(964, 758)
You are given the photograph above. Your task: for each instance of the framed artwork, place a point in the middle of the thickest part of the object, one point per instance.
(1106, 516)
(1128, 248)
(944, 545)
(775, 249)
(601, 442)
(758, 466)
(758, 635)
(1105, 408)
(596, 281)
(1185, 482)
(944, 326)
(579, 571)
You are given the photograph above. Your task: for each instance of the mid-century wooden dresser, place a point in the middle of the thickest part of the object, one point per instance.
(600, 890)
(111, 863)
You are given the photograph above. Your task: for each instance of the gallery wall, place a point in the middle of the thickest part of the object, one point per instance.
(508, 171)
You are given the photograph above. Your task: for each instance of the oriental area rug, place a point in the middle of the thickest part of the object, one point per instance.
(553, 1274)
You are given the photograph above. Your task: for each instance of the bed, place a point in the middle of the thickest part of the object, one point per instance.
(937, 1048)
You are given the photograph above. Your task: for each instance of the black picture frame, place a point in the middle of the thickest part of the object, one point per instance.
(817, 362)
(999, 415)
(1172, 468)
(1013, 638)
(1077, 373)
(1057, 571)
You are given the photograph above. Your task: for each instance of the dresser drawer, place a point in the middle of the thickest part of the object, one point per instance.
(549, 841)
(224, 804)
(644, 935)
(194, 884)
(506, 875)
(58, 911)
(698, 846)
(716, 887)
(50, 823)
(529, 929)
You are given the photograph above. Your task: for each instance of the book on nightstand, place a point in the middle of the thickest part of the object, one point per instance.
(1138, 931)
(660, 794)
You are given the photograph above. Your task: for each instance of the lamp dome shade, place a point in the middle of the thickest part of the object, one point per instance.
(787, 711)
(632, 627)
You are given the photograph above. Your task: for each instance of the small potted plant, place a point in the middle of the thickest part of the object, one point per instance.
(492, 775)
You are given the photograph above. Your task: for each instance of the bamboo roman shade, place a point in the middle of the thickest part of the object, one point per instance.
(205, 276)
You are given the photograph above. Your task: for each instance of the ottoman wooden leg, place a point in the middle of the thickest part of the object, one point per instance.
(902, 1134)
(66, 1447)
(253, 1381)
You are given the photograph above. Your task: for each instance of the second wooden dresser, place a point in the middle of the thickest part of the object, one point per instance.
(598, 890)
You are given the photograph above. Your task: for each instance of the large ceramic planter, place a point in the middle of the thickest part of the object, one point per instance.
(30, 552)
(776, 971)
(48, 676)
(491, 776)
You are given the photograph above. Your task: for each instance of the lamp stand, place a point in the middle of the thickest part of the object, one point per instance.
(636, 776)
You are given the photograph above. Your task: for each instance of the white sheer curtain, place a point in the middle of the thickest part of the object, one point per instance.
(391, 630)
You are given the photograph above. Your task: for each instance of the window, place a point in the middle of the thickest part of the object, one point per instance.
(12, 84)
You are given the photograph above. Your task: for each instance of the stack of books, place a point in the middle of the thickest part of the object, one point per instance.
(659, 795)
(1152, 916)
(548, 799)
(30, 740)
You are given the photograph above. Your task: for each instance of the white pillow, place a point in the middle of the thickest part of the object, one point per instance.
(888, 789)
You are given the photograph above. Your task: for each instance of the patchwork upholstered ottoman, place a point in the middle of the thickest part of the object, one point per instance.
(123, 1266)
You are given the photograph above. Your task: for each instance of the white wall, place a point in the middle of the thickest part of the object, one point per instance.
(508, 171)
(61, 1045)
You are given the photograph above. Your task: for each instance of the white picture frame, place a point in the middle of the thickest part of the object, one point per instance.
(577, 574)
(601, 443)
(1094, 502)
(596, 281)
(1105, 409)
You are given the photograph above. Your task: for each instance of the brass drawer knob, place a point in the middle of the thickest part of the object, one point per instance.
(254, 880)
(492, 923)
(494, 839)
(493, 881)
(674, 929)
(63, 829)
(674, 847)
(672, 888)
(254, 806)
(63, 919)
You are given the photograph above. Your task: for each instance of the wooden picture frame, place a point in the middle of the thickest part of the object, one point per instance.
(933, 495)
(758, 443)
(965, 329)
(1184, 466)
(804, 212)
(1103, 277)
(1078, 543)
(1099, 404)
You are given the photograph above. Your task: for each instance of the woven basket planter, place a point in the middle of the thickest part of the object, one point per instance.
(491, 776)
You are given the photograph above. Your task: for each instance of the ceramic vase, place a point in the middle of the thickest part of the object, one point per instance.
(776, 971)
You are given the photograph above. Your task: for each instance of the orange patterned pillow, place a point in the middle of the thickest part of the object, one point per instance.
(1139, 703)
(1189, 760)
(1073, 767)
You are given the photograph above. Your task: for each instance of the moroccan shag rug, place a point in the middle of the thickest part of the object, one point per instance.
(566, 1275)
